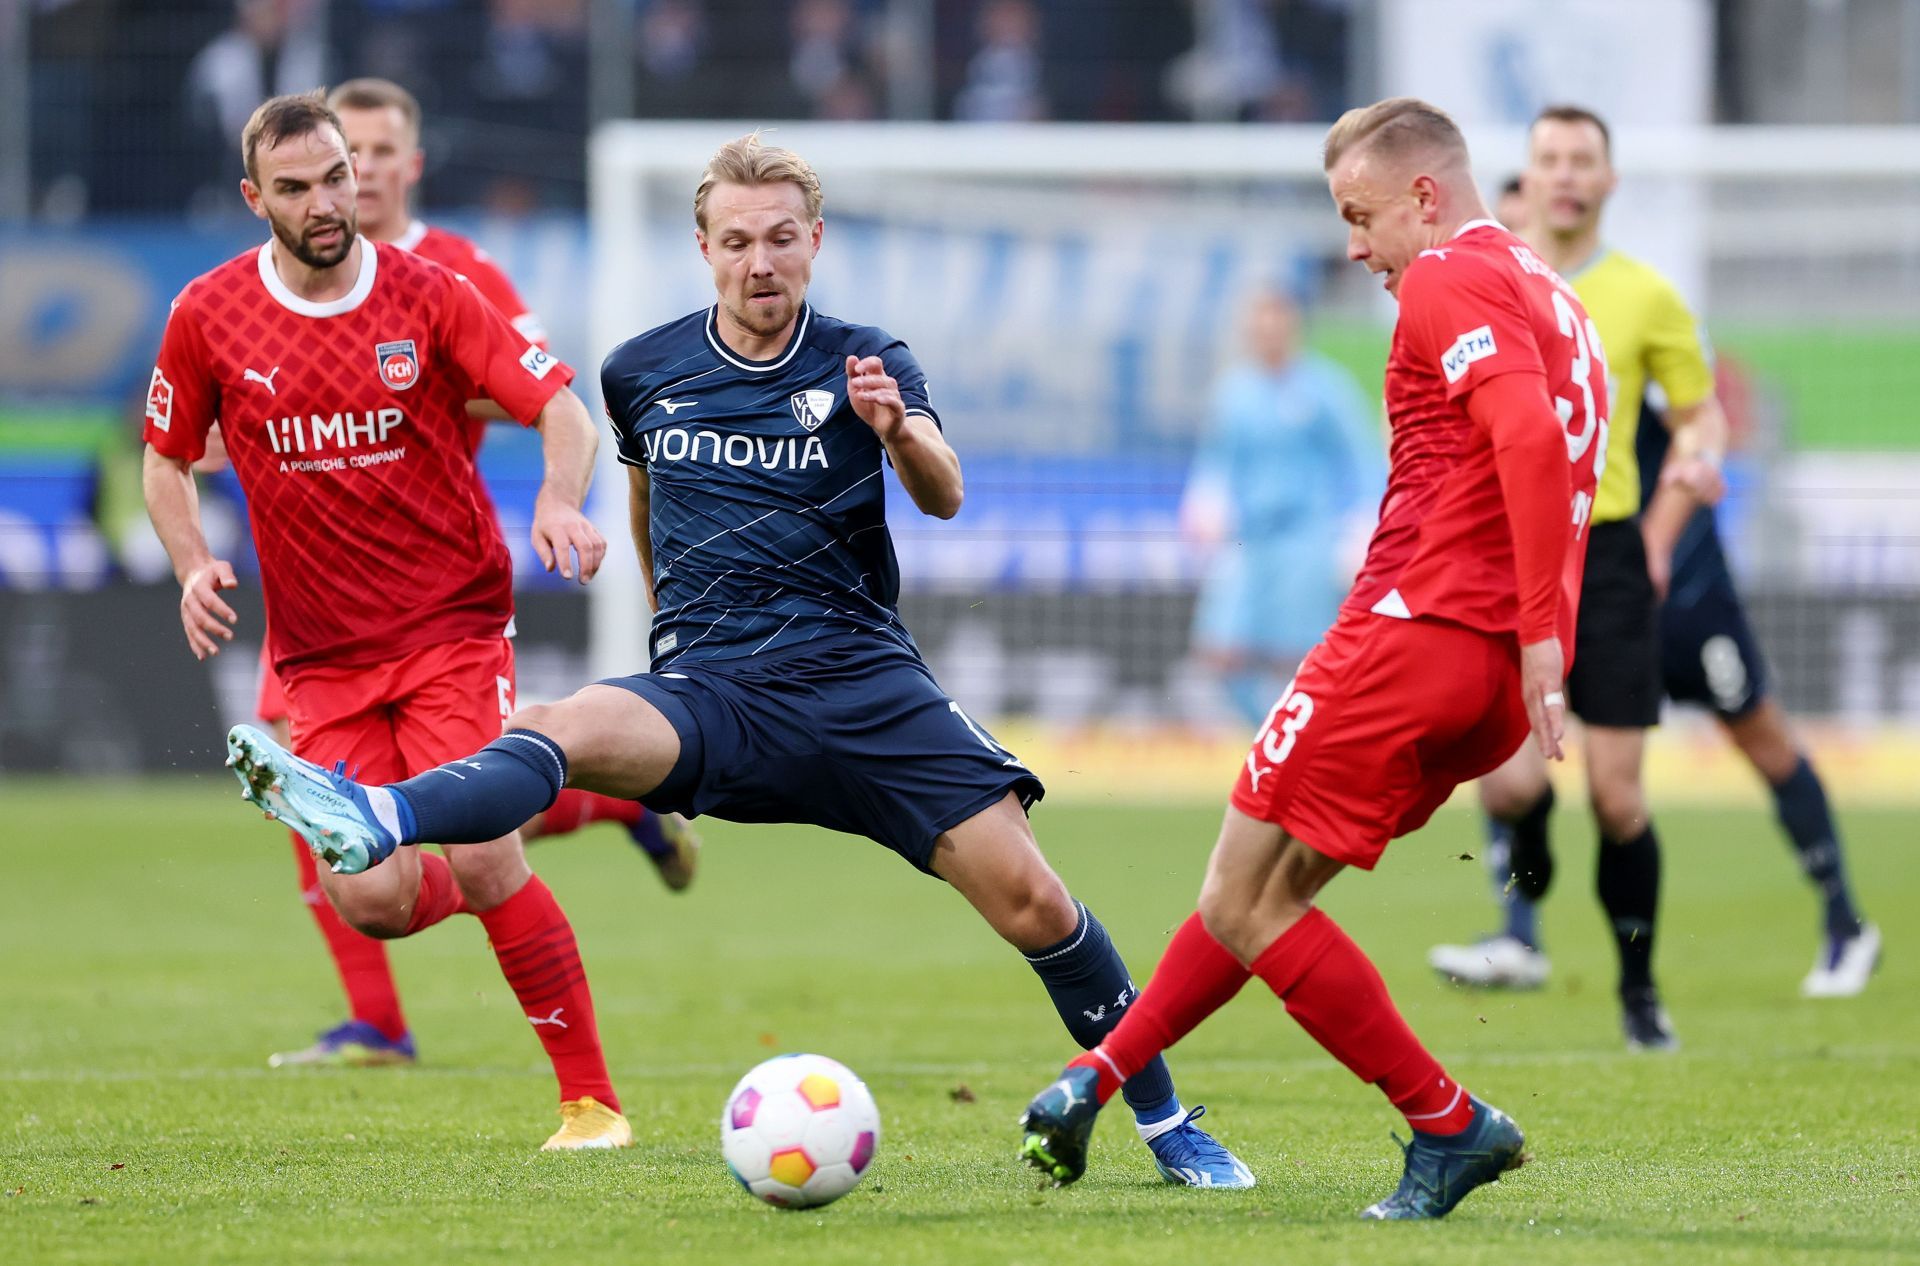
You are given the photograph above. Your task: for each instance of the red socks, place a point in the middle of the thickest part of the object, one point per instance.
(574, 808)
(1328, 986)
(1336, 995)
(541, 961)
(537, 953)
(361, 960)
(1195, 978)
(439, 898)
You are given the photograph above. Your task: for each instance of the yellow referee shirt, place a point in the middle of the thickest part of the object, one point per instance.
(1649, 334)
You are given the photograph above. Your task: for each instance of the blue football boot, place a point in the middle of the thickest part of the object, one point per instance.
(325, 808)
(671, 844)
(355, 1044)
(1059, 1125)
(1443, 1168)
(1191, 1157)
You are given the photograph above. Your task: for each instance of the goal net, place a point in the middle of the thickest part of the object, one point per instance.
(1075, 292)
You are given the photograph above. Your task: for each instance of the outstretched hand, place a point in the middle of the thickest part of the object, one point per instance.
(875, 396)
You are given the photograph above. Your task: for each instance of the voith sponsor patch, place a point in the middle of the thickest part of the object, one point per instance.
(1469, 347)
(537, 361)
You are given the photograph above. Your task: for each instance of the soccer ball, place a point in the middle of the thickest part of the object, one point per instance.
(799, 1131)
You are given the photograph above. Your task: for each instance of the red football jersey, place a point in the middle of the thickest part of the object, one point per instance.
(1483, 305)
(346, 424)
(464, 256)
(461, 254)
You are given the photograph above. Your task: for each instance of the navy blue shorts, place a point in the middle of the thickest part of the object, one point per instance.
(851, 733)
(1708, 653)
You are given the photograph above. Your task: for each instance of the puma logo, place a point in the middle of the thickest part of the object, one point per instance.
(265, 380)
(553, 1019)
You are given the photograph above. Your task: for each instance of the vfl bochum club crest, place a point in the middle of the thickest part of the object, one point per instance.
(399, 363)
(810, 408)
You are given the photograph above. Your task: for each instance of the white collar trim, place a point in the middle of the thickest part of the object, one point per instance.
(753, 367)
(1471, 225)
(416, 231)
(284, 296)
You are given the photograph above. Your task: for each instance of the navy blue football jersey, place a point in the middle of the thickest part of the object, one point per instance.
(768, 510)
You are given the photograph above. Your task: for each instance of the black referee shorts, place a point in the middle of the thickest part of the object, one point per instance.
(1616, 664)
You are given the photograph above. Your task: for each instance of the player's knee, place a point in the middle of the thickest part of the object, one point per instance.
(1036, 911)
(488, 874)
(382, 920)
(541, 718)
(1620, 810)
(1229, 918)
(1510, 799)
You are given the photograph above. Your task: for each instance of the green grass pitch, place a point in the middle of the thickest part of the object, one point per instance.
(154, 952)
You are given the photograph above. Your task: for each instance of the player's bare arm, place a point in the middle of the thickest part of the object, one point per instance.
(562, 533)
(173, 503)
(1690, 479)
(640, 516)
(929, 469)
(1530, 452)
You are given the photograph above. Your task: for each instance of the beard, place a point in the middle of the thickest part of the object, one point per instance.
(302, 249)
(764, 321)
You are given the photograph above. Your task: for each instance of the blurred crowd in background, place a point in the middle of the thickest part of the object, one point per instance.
(117, 85)
(134, 106)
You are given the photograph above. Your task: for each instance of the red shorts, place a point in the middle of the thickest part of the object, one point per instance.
(271, 706)
(1384, 719)
(403, 717)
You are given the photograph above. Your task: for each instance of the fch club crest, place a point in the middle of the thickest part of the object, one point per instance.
(810, 408)
(399, 363)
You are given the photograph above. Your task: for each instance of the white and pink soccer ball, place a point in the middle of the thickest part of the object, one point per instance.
(799, 1131)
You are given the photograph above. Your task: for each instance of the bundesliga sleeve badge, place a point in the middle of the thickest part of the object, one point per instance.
(399, 363)
(160, 401)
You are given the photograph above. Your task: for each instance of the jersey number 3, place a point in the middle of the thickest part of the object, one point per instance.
(1593, 421)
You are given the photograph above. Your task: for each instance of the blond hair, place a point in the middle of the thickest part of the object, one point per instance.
(378, 94)
(1395, 128)
(750, 161)
(282, 118)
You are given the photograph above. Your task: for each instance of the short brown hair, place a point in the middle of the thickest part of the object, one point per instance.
(282, 118)
(750, 161)
(1395, 127)
(377, 94)
(1576, 114)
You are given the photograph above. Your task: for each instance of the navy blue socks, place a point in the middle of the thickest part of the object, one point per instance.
(1090, 989)
(1802, 805)
(486, 795)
